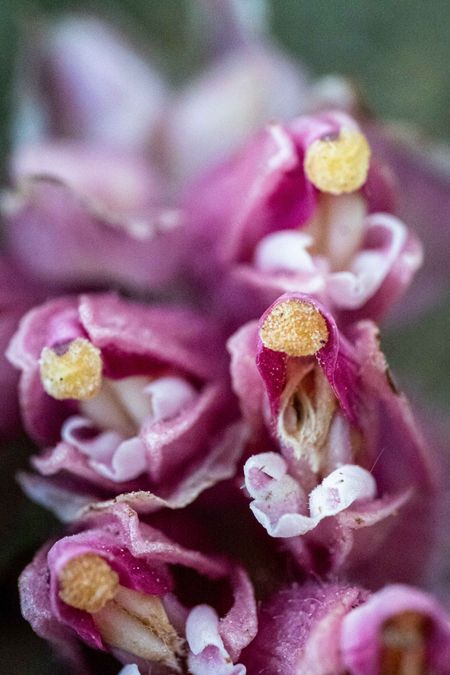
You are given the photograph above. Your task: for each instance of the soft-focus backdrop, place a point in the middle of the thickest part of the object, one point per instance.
(398, 55)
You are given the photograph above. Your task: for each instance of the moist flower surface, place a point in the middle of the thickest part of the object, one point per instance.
(192, 345)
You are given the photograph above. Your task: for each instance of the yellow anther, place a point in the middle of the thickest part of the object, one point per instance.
(294, 327)
(338, 165)
(77, 373)
(87, 582)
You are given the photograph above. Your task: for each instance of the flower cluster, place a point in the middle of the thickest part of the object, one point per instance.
(193, 348)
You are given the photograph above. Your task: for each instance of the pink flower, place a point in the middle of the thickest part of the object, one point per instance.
(96, 216)
(337, 628)
(85, 82)
(184, 474)
(97, 118)
(302, 207)
(132, 398)
(120, 585)
(339, 448)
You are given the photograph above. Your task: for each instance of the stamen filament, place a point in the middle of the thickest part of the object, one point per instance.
(138, 624)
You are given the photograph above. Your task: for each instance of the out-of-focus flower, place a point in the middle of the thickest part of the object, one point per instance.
(299, 630)
(96, 117)
(80, 79)
(84, 216)
(201, 130)
(122, 586)
(237, 94)
(337, 628)
(302, 207)
(346, 467)
(135, 397)
(413, 629)
(423, 167)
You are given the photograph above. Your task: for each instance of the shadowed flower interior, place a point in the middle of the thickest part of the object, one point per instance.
(307, 410)
(404, 644)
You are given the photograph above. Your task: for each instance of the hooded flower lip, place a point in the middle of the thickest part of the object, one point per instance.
(134, 397)
(293, 210)
(114, 584)
(314, 332)
(337, 628)
(335, 430)
(105, 209)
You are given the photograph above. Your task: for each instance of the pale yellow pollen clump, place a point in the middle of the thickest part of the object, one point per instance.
(295, 327)
(338, 165)
(75, 374)
(87, 582)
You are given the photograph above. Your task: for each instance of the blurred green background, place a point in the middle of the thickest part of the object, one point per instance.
(397, 52)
